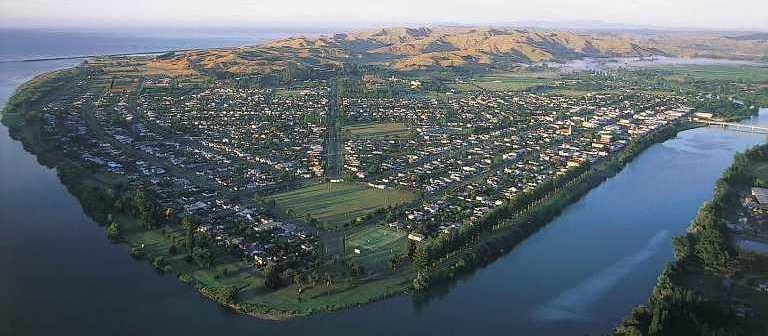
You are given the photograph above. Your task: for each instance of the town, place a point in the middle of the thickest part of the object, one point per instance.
(357, 184)
(220, 152)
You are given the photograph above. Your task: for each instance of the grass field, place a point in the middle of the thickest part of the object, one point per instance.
(345, 291)
(376, 244)
(571, 92)
(720, 72)
(339, 203)
(378, 130)
(157, 242)
(507, 81)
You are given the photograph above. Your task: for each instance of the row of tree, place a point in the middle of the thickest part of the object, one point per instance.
(501, 229)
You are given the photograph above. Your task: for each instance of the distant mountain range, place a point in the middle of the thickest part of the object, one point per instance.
(751, 37)
(409, 49)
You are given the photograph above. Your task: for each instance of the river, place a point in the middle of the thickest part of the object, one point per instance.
(578, 275)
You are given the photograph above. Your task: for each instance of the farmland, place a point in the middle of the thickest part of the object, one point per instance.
(719, 73)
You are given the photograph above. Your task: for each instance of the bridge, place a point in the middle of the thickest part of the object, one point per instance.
(735, 126)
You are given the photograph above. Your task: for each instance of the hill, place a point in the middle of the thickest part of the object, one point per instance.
(407, 49)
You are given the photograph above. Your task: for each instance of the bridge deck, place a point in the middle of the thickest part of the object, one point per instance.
(735, 126)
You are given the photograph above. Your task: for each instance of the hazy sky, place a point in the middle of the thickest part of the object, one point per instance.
(714, 14)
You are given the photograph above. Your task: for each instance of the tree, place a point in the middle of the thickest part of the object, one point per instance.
(226, 295)
(421, 281)
(113, 231)
(682, 247)
(712, 250)
(421, 258)
(137, 251)
(272, 276)
(202, 257)
(159, 262)
(410, 248)
(190, 224)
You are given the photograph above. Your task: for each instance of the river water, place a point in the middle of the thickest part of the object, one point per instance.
(578, 275)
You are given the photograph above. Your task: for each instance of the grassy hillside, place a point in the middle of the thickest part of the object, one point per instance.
(409, 49)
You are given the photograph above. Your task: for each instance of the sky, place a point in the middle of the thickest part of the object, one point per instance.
(700, 14)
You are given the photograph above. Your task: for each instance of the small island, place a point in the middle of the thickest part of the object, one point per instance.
(310, 175)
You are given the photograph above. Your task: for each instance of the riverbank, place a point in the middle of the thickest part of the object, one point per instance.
(506, 227)
(712, 285)
(96, 192)
(93, 188)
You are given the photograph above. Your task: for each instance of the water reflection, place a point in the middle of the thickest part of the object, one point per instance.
(575, 302)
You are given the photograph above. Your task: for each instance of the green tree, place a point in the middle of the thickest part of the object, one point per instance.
(202, 257)
(421, 258)
(682, 247)
(421, 282)
(113, 231)
(190, 224)
(137, 251)
(272, 276)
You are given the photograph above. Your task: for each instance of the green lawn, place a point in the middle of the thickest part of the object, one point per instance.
(376, 244)
(507, 81)
(378, 130)
(158, 241)
(338, 203)
(571, 92)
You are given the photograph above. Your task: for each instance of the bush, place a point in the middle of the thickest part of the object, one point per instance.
(137, 251)
(113, 231)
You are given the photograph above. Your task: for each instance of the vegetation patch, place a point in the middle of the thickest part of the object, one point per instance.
(737, 73)
(336, 204)
(506, 81)
(376, 130)
(374, 246)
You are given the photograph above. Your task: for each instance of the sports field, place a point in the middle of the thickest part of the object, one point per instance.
(507, 81)
(339, 203)
(376, 245)
(377, 130)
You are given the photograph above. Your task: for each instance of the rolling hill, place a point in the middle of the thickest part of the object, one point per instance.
(408, 49)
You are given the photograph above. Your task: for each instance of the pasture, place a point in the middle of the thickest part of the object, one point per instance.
(736, 73)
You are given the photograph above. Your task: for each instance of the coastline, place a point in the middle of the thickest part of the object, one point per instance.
(75, 57)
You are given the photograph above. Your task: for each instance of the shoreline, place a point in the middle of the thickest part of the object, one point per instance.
(692, 266)
(602, 170)
(581, 185)
(61, 58)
